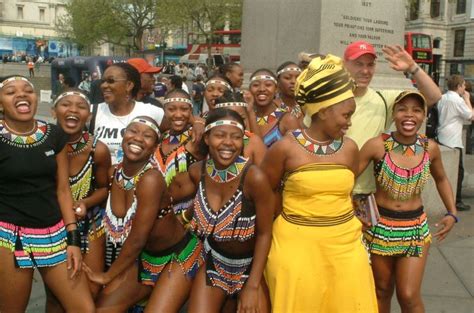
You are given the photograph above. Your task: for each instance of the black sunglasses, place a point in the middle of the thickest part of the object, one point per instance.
(111, 81)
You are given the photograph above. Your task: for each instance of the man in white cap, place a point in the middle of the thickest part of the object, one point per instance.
(373, 113)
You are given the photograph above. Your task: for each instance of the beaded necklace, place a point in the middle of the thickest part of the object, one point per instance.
(402, 183)
(170, 139)
(128, 183)
(272, 117)
(77, 147)
(41, 131)
(391, 144)
(315, 147)
(228, 174)
(175, 161)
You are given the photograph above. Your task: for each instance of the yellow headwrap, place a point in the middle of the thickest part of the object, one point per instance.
(322, 84)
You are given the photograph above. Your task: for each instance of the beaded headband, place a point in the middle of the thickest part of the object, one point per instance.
(218, 82)
(186, 100)
(289, 69)
(263, 77)
(231, 104)
(71, 93)
(147, 123)
(223, 122)
(9, 80)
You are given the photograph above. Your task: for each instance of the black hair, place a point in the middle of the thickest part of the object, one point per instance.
(132, 75)
(151, 120)
(219, 76)
(227, 68)
(72, 89)
(176, 81)
(215, 115)
(285, 64)
(178, 92)
(69, 82)
(266, 70)
(10, 76)
(230, 96)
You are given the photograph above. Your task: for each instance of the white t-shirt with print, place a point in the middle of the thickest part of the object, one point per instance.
(109, 128)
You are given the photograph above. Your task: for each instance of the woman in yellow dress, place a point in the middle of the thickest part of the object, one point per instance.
(317, 262)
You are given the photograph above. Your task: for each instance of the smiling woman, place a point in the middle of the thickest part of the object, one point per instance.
(140, 224)
(316, 236)
(89, 162)
(272, 120)
(404, 160)
(232, 214)
(120, 86)
(176, 151)
(39, 231)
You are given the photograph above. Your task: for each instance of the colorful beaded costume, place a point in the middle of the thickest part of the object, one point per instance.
(40, 133)
(177, 160)
(316, 148)
(235, 221)
(82, 186)
(117, 229)
(402, 183)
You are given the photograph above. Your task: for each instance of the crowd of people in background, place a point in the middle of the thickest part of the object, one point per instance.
(298, 191)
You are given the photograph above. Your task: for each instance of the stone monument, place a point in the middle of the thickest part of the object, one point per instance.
(274, 31)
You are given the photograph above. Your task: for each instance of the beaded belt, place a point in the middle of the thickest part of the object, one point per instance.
(318, 221)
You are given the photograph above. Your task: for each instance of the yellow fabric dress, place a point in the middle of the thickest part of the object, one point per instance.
(317, 262)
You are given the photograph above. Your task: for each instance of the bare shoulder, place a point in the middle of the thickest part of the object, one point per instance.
(151, 177)
(195, 171)
(255, 181)
(101, 151)
(433, 148)
(350, 145)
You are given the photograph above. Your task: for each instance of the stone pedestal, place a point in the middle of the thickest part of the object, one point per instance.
(434, 206)
(275, 31)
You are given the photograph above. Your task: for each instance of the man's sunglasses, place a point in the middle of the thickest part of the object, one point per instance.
(111, 81)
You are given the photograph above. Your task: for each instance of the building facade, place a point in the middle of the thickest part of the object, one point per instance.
(29, 27)
(450, 23)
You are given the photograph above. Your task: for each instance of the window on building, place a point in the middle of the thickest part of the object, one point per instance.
(41, 14)
(414, 9)
(459, 36)
(19, 12)
(437, 43)
(435, 8)
(461, 7)
(454, 69)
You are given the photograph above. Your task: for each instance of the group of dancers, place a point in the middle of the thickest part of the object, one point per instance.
(246, 208)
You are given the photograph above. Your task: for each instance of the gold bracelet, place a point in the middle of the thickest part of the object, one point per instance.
(183, 215)
(200, 122)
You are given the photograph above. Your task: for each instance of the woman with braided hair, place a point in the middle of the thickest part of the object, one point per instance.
(317, 262)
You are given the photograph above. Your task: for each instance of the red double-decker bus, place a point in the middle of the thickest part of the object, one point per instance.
(226, 42)
(419, 46)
